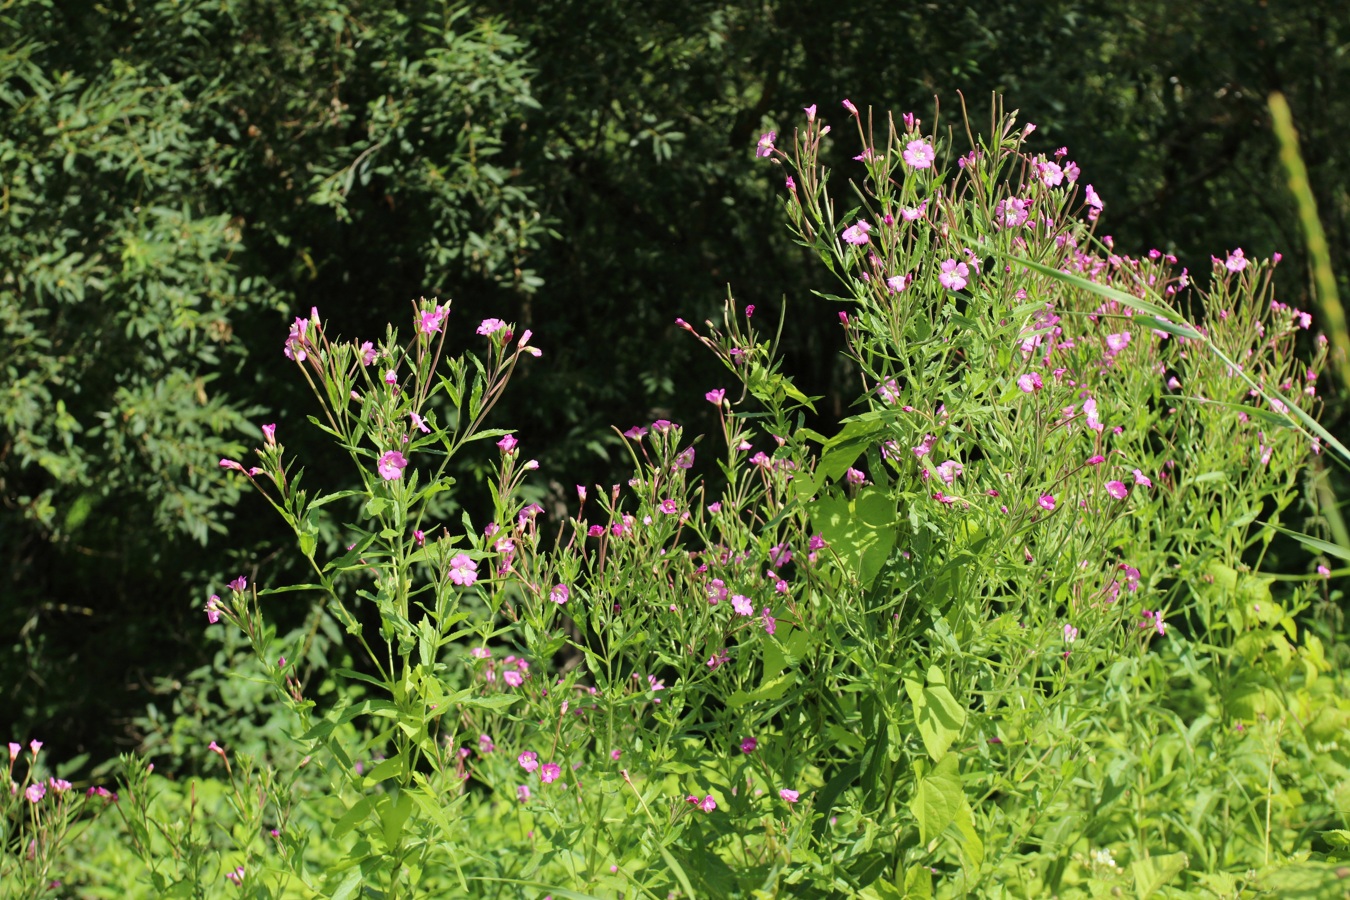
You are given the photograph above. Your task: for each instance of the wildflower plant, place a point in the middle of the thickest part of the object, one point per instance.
(918, 654)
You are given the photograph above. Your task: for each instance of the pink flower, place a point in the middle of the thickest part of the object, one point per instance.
(1014, 212)
(463, 570)
(715, 397)
(889, 391)
(391, 465)
(419, 536)
(14, 749)
(742, 604)
(1141, 479)
(708, 804)
(1070, 634)
(1046, 502)
(919, 154)
(231, 464)
(718, 659)
(1051, 174)
(237, 876)
(490, 327)
(270, 434)
(789, 795)
(924, 447)
(296, 342)
(529, 760)
(765, 146)
(419, 423)
(559, 594)
(522, 792)
(213, 609)
(508, 444)
(391, 377)
(766, 617)
(1321, 570)
(1236, 261)
(1118, 342)
(480, 653)
(367, 351)
(35, 792)
(897, 283)
(954, 274)
(1030, 382)
(1090, 413)
(850, 107)
(950, 471)
(669, 507)
(1117, 489)
(810, 112)
(790, 184)
(239, 585)
(856, 234)
(748, 745)
(1096, 459)
(549, 772)
(913, 214)
(1094, 202)
(429, 320)
(854, 477)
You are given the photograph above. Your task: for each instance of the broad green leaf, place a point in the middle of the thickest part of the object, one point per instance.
(937, 797)
(351, 818)
(1153, 872)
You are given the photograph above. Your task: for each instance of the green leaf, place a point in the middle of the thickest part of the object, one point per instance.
(1312, 543)
(936, 712)
(770, 690)
(349, 885)
(938, 797)
(1153, 872)
(351, 818)
(861, 531)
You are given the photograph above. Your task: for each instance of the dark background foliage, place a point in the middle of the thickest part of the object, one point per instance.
(178, 179)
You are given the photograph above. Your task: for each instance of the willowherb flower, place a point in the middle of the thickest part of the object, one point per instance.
(1321, 570)
(856, 233)
(213, 609)
(238, 586)
(848, 105)
(897, 283)
(765, 146)
(1117, 489)
(715, 396)
(953, 274)
(889, 391)
(559, 594)
(237, 876)
(367, 352)
(1118, 342)
(789, 795)
(549, 772)
(1070, 634)
(924, 446)
(1094, 202)
(270, 434)
(419, 423)
(919, 154)
(855, 477)
(708, 804)
(1236, 261)
(1046, 502)
(297, 344)
(766, 617)
(463, 570)
(950, 470)
(717, 659)
(742, 605)
(391, 465)
(489, 327)
(529, 760)
(1014, 213)
(508, 444)
(1030, 382)
(14, 750)
(35, 792)
(1141, 479)
(810, 112)
(1050, 173)
(748, 745)
(429, 320)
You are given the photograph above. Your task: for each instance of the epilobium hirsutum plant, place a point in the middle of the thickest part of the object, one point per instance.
(930, 652)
